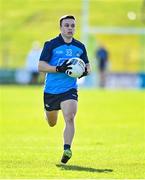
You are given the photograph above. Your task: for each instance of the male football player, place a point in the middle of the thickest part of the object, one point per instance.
(60, 90)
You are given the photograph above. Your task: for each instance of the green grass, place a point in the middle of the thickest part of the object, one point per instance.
(109, 139)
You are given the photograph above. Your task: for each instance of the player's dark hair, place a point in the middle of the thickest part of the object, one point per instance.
(66, 17)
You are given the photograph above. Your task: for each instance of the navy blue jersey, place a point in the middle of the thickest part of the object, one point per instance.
(55, 52)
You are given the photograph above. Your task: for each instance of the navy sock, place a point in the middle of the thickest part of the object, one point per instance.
(66, 146)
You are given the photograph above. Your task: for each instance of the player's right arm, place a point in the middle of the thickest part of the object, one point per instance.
(45, 57)
(45, 67)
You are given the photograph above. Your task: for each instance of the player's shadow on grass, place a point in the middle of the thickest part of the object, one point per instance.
(80, 168)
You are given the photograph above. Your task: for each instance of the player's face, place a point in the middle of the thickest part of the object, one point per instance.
(68, 27)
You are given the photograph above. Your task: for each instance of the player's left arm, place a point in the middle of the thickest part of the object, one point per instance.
(86, 61)
(84, 56)
(88, 68)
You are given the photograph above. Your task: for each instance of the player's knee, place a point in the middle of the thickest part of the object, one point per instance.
(70, 118)
(52, 124)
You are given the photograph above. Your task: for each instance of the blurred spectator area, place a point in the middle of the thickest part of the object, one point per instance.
(22, 22)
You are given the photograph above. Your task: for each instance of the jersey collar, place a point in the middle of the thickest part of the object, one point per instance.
(62, 40)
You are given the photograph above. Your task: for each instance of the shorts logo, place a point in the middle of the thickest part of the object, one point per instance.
(46, 105)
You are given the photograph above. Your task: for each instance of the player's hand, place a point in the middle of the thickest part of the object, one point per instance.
(63, 67)
(85, 73)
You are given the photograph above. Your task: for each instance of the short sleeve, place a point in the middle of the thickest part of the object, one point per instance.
(84, 55)
(46, 52)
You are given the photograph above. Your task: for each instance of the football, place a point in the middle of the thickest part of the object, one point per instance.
(78, 67)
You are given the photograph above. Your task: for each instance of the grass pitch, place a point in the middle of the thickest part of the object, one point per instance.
(109, 139)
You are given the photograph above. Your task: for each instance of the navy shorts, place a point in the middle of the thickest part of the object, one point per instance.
(53, 101)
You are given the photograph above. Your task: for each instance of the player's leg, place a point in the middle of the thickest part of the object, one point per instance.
(51, 106)
(51, 117)
(69, 109)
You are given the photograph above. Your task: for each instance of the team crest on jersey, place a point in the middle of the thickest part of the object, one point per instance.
(77, 54)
